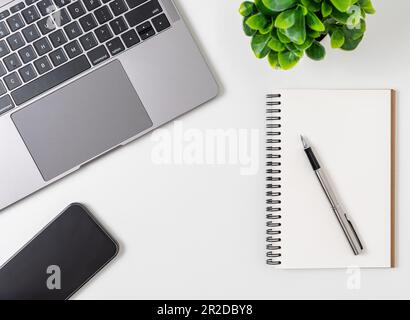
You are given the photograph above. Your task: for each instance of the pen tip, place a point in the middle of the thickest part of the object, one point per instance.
(304, 142)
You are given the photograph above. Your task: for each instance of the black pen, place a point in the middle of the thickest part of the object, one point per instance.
(342, 217)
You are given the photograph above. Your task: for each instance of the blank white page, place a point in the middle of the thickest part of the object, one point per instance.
(351, 134)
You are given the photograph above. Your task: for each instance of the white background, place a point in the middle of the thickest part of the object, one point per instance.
(189, 232)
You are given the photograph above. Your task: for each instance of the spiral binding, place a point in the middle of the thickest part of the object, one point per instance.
(273, 178)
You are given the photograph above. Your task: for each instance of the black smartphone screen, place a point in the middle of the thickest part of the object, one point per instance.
(59, 260)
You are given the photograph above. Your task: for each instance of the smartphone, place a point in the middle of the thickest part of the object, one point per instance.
(60, 259)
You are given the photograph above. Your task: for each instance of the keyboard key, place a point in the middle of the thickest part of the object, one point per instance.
(30, 14)
(115, 46)
(144, 27)
(4, 14)
(145, 30)
(98, 55)
(88, 41)
(61, 17)
(50, 80)
(46, 25)
(147, 34)
(58, 38)
(15, 22)
(92, 4)
(12, 81)
(161, 23)
(58, 57)
(27, 73)
(76, 9)
(88, 22)
(43, 65)
(130, 38)
(103, 14)
(3, 89)
(118, 25)
(27, 54)
(103, 33)
(46, 7)
(31, 33)
(17, 7)
(118, 7)
(12, 62)
(73, 30)
(6, 104)
(134, 3)
(4, 49)
(73, 49)
(3, 70)
(16, 41)
(4, 31)
(42, 46)
(30, 2)
(142, 13)
(61, 3)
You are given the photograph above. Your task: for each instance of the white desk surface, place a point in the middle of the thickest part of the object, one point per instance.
(197, 232)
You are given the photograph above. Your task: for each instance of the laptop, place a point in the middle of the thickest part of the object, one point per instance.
(80, 78)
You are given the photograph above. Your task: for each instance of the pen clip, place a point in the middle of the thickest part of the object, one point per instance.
(354, 232)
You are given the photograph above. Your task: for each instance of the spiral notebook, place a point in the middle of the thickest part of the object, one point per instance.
(354, 133)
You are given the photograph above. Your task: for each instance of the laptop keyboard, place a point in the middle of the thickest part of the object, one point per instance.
(44, 43)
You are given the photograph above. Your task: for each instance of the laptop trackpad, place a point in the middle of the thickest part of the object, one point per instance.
(82, 120)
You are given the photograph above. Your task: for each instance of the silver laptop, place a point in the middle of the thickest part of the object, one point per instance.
(79, 78)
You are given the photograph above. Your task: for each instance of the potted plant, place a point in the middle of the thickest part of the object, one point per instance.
(284, 30)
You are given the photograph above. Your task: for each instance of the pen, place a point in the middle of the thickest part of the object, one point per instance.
(342, 217)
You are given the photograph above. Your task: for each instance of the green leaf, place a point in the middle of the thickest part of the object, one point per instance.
(286, 19)
(316, 51)
(353, 37)
(247, 8)
(311, 5)
(291, 47)
(287, 60)
(275, 44)
(342, 5)
(306, 45)
(362, 29)
(305, 10)
(326, 9)
(273, 59)
(283, 38)
(279, 5)
(340, 17)
(298, 52)
(262, 8)
(297, 33)
(260, 45)
(314, 22)
(257, 21)
(337, 39)
(351, 44)
(313, 34)
(268, 28)
(367, 6)
(248, 31)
